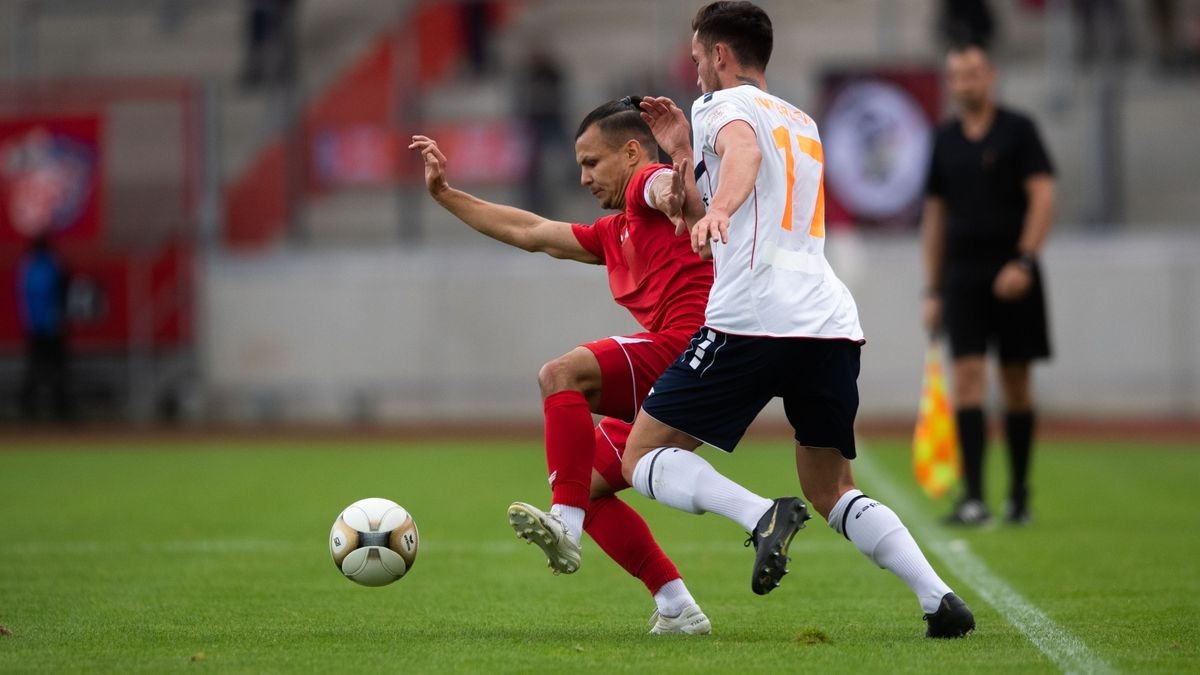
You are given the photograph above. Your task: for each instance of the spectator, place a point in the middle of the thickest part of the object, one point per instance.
(541, 95)
(477, 17)
(42, 293)
(270, 56)
(1104, 30)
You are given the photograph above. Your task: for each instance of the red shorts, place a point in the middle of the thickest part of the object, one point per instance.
(611, 435)
(630, 365)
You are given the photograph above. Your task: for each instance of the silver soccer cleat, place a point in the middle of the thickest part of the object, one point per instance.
(549, 533)
(691, 621)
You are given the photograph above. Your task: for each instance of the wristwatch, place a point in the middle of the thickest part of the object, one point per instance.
(1026, 260)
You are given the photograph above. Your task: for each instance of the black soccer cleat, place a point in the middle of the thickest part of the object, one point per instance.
(1017, 513)
(771, 538)
(1016, 510)
(953, 619)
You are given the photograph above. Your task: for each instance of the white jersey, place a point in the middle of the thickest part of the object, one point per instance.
(772, 278)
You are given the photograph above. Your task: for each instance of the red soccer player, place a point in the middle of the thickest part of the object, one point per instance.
(656, 276)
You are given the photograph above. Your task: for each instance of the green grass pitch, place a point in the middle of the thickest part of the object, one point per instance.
(211, 557)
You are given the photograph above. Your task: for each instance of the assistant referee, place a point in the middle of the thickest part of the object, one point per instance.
(989, 205)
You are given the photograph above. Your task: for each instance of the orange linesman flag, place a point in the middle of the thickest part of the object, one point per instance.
(935, 442)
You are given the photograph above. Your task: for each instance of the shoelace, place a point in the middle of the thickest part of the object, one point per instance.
(750, 541)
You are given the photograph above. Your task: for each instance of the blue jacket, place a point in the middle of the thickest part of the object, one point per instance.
(41, 293)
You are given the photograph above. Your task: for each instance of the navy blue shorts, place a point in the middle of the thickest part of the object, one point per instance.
(716, 388)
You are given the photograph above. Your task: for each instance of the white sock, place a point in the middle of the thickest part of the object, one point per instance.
(686, 481)
(572, 517)
(672, 598)
(877, 531)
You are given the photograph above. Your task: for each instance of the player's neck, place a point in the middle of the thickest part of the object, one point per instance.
(745, 77)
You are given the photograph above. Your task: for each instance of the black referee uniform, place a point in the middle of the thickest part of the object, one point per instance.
(982, 184)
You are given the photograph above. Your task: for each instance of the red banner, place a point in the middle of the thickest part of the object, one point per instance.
(365, 155)
(877, 126)
(50, 178)
(105, 292)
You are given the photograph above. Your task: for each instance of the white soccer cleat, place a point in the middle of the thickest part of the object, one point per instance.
(548, 532)
(691, 621)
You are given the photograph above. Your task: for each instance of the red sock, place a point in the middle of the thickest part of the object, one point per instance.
(621, 533)
(570, 447)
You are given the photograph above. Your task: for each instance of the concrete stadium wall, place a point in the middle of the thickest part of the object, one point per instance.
(438, 335)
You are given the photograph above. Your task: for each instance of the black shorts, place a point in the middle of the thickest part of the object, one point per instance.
(718, 386)
(975, 319)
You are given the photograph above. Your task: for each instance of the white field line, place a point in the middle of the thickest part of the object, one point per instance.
(1066, 651)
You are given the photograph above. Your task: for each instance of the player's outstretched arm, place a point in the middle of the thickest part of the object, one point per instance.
(676, 195)
(737, 146)
(513, 226)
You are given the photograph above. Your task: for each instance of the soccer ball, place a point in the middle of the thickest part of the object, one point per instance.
(374, 542)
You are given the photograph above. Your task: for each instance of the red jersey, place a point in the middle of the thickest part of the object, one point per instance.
(652, 273)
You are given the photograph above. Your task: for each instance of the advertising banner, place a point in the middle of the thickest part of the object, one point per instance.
(50, 178)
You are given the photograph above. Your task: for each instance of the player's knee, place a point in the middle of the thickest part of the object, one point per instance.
(556, 376)
(968, 388)
(1018, 401)
(1018, 396)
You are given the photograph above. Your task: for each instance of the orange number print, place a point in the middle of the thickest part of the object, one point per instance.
(812, 148)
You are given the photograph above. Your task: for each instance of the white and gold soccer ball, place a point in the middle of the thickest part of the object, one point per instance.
(374, 542)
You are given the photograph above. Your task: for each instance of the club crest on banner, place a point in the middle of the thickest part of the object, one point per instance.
(49, 178)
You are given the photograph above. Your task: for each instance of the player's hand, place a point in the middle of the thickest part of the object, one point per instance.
(668, 124)
(931, 315)
(435, 164)
(714, 226)
(675, 198)
(1013, 282)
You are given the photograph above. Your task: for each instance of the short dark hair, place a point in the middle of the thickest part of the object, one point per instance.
(619, 121)
(744, 26)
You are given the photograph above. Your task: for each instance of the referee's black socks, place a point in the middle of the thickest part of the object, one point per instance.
(972, 437)
(1018, 430)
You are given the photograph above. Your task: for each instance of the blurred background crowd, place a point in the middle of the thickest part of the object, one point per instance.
(207, 212)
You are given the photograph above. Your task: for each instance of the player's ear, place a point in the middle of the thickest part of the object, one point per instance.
(720, 54)
(632, 150)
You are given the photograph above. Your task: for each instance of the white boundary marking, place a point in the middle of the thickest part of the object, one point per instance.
(1066, 651)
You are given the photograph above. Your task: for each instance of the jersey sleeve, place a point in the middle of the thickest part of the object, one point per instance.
(638, 195)
(1033, 156)
(713, 114)
(590, 237)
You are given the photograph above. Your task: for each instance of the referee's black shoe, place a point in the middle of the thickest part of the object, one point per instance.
(771, 538)
(953, 619)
